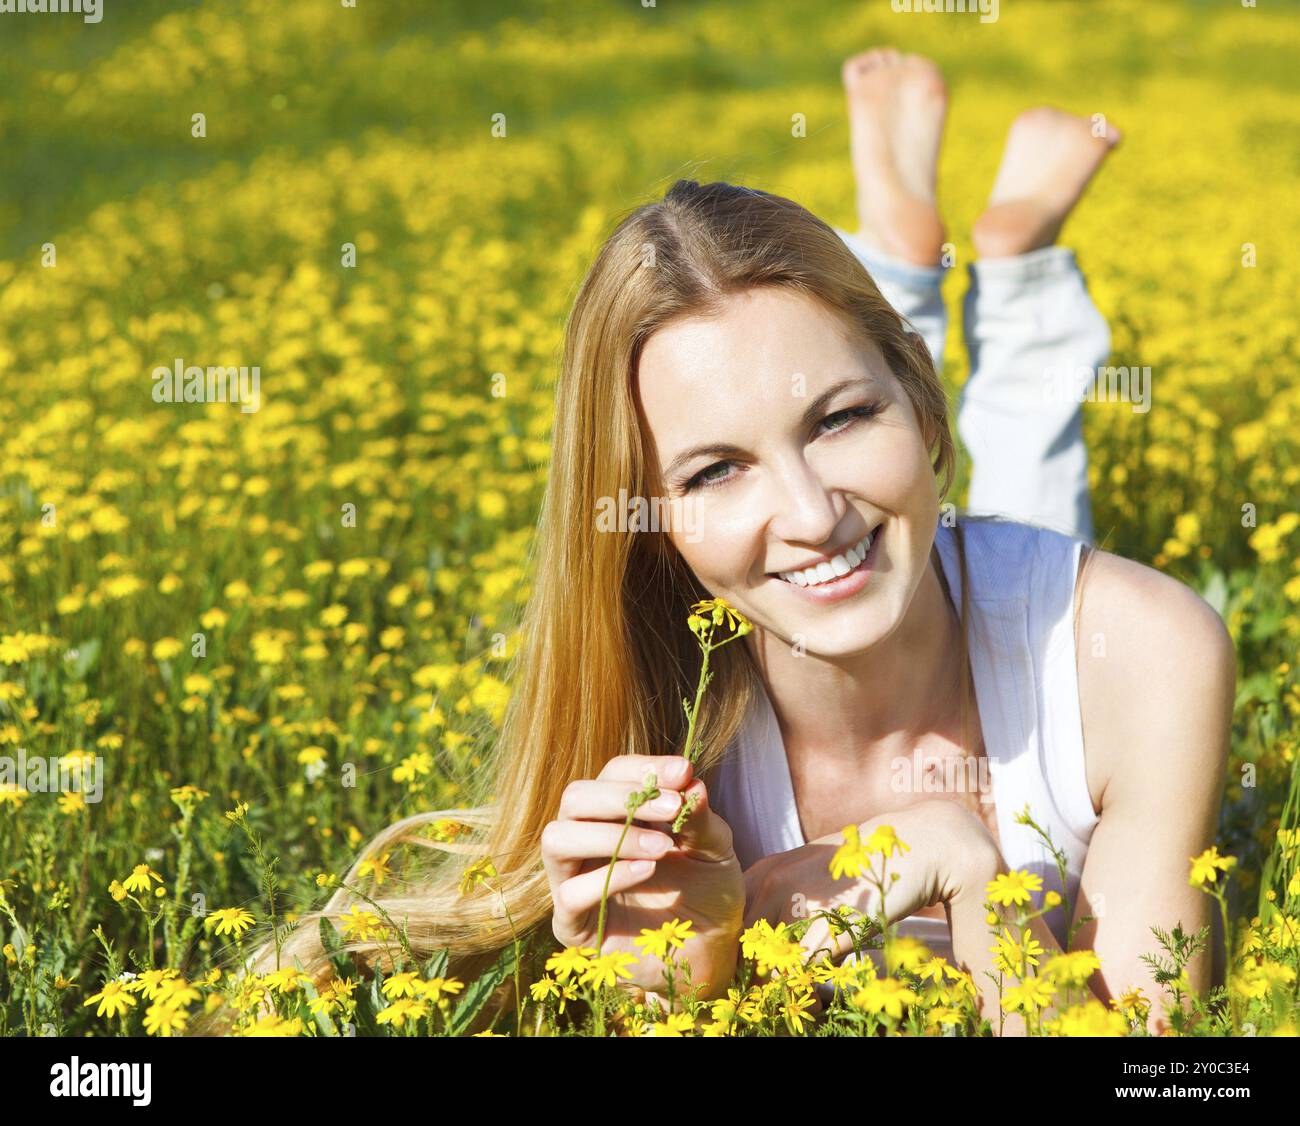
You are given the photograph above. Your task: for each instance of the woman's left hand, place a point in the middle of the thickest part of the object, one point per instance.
(949, 850)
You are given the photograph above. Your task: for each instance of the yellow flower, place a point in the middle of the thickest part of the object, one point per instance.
(1074, 968)
(1206, 867)
(175, 990)
(1089, 1019)
(113, 1000)
(1007, 888)
(1132, 1004)
(1011, 956)
(274, 1025)
(376, 867)
(718, 610)
(229, 920)
(885, 842)
(399, 1012)
(333, 616)
(165, 1018)
(1031, 994)
(139, 879)
(850, 858)
(187, 796)
(71, 802)
(544, 987)
(413, 766)
(400, 985)
(907, 953)
(603, 971)
(149, 981)
(167, 648)
(885, 994)
(362, 925)
(657, 942)
(284, 980)
(435, 987)
(795, 1010)
(480, 871)
(572, 960)
(944, 1015)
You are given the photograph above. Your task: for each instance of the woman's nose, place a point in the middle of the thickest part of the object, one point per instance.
(803, 507)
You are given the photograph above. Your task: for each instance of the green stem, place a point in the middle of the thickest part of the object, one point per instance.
(604, 895)
(689, 748)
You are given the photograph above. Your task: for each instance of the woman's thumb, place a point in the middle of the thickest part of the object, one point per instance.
(704, 835)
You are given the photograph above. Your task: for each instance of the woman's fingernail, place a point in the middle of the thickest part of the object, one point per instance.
(654, 842)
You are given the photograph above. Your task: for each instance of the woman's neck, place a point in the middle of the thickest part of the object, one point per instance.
(900, 689)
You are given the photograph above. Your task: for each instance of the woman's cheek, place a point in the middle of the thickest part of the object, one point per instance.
(720, 545)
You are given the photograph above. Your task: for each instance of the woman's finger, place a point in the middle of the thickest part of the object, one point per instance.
(596, 800)
(704, 835)
(671, 772)
(566, 844)
(576, 898)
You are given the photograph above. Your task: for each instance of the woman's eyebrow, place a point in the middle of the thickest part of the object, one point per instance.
(723, 450)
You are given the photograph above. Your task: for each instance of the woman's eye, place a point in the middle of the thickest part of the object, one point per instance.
(705, 477)
(849, 416)
(717, 473)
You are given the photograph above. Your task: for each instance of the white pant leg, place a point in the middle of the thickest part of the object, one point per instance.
(1035, 341)
(913, 291)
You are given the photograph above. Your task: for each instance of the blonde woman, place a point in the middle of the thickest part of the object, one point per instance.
(729, 349)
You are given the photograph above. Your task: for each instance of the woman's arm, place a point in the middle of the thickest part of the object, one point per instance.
(1157, 713)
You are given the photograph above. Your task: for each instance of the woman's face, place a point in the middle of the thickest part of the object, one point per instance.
(784, 446)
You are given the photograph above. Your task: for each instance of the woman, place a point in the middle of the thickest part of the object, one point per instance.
(729, 352)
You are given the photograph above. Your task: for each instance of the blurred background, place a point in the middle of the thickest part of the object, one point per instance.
(181, 591)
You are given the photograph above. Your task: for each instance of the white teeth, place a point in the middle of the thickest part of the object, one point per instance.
(824, 572)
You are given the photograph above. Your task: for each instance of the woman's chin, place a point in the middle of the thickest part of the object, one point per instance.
(844, 634)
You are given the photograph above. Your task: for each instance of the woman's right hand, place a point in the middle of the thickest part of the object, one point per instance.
(655, 879)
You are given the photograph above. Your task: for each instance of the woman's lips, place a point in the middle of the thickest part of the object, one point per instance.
(844, 586)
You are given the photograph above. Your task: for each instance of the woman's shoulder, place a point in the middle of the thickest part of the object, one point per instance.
(1154, 659)
(1146, 612)
(1010, 559)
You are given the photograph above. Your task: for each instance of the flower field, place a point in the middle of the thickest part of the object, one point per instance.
(271, 632)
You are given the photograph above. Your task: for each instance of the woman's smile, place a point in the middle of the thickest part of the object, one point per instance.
(840, 577)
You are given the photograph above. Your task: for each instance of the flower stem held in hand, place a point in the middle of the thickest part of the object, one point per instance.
(648, 792)
(704, 618)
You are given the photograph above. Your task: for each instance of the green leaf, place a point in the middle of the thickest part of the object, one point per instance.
(436, 966)
(323, 1023)
(480, 991)
(333, 946)
(343, 965)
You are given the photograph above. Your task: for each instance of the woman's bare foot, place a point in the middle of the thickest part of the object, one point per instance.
(897, 105)
(1049, 159)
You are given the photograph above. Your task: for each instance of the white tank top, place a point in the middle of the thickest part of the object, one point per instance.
(1023, 661)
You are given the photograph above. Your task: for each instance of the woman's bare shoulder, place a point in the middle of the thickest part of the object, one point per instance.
(1153, 657)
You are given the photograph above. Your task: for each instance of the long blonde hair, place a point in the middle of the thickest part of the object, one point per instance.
(604, 657)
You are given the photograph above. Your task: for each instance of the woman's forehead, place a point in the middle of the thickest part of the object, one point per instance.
(763, 343)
